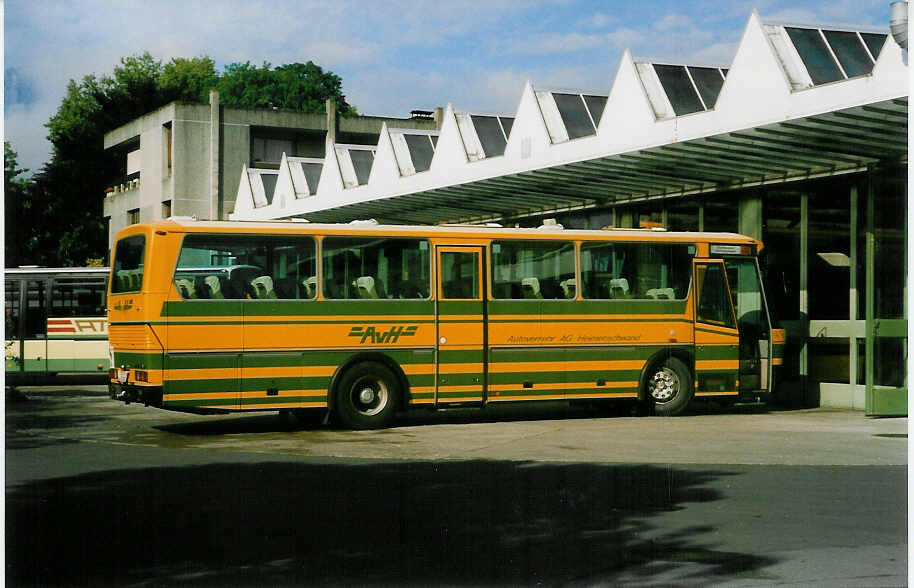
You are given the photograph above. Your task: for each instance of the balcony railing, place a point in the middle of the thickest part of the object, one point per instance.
(125, 186)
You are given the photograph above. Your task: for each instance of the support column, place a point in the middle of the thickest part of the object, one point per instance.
(215, 140)
(804, 298)
(852, 315)
(869, 262)
(750, 216)
(330, 107)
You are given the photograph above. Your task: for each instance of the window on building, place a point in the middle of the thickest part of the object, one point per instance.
(167, 142)
(166, 209)
(268, 150)
(133, 216)
(375, 268)
(533, 270)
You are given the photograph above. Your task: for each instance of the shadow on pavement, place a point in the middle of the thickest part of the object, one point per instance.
(29, 421)
(275, 523)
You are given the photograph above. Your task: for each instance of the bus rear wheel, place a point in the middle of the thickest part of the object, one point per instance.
(367, 396)
(669, 387)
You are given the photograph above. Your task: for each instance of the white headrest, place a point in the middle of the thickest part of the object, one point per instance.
(619, 283)
(531, 287)
(214, 285)
(365, 284)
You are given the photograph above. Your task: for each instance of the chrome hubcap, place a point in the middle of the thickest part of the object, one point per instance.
(664, 385)
(369, 396)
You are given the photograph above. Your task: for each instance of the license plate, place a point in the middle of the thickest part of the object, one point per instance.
(122, 376)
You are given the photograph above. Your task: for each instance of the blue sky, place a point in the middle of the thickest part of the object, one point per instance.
(393, 55)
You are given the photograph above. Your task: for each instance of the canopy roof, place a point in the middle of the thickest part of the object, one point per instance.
(798, 102)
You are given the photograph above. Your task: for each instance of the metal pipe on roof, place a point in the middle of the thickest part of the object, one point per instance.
(898, 23)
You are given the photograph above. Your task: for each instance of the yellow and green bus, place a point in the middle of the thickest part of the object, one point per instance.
(366, 320)
(55, 327)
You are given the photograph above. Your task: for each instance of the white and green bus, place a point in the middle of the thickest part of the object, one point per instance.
(55, 328)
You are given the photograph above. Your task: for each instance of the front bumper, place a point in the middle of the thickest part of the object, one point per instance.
(127, 393)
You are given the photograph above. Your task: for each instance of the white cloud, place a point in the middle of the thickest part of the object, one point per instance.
(598, 20)
(673, 21)
(555, 43)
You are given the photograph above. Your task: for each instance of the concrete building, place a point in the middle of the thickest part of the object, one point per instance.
(185, 159)
(801, 141)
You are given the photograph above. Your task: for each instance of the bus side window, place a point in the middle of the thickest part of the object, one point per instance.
(379, 268)
(533, 270)
(645, 271)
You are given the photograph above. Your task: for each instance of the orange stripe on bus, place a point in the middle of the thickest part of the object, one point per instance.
(716, 364)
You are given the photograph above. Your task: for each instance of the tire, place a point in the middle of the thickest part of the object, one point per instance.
(668, 387)
(367, 396)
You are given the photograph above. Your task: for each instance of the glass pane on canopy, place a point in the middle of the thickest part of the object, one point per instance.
(595, 104)
(574, 115)
(814, 53)
(506, 124)
(679, 89)
(361, 162)
(312, 173)
(269, 185)
(709, 82)
(490, 135)
(420, 150)
(875, 42)
(850, 52)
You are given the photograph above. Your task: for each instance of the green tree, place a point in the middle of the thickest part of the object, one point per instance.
(18, 208)
(63, 204)
(188, 80)
(296, 86)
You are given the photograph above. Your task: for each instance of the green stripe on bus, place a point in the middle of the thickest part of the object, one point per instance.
(460, 356)
(267, 359)
(559, 377)
(713, 352)
(551, 307)
(328, 308)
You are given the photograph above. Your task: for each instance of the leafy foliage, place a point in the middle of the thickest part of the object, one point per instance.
(56, 217)
(296, 86)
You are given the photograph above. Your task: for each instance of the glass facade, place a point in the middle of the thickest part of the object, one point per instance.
(824, 247)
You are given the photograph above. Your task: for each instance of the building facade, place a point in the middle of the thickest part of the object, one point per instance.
(185, 159)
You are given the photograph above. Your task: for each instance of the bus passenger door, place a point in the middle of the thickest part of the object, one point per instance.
(35, 326)
(460, 325)
(744, 278)
(13, 343)
(716, 334)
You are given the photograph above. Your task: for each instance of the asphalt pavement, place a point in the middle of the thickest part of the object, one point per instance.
(100, 493)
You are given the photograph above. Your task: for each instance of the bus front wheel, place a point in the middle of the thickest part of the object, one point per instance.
(669, 387)
(367, 396)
